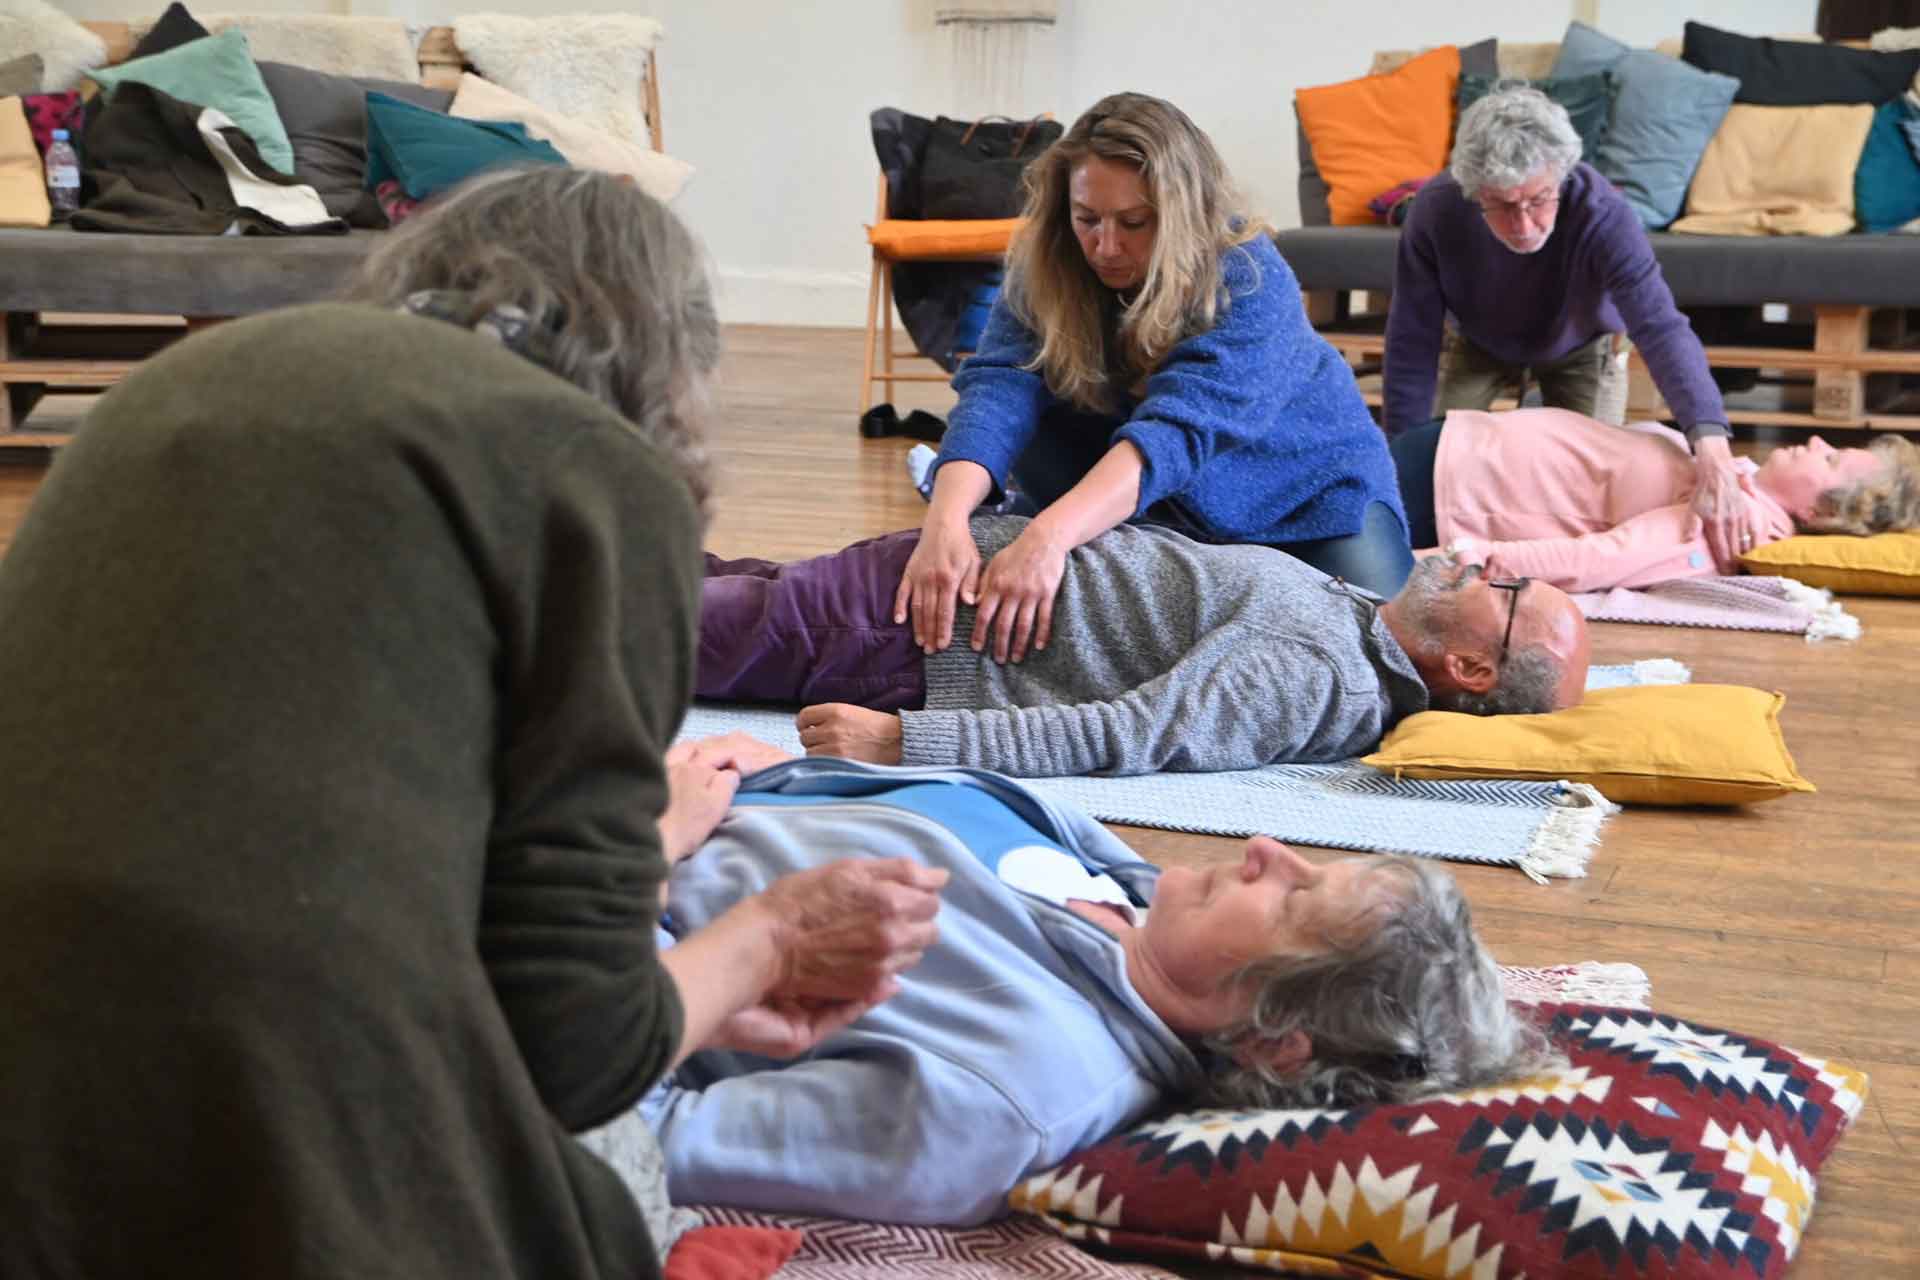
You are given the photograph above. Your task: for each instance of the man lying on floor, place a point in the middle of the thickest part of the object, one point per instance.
(1162, 654)
(1054, 1008)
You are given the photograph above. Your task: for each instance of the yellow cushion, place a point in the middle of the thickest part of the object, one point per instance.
(1886, 564)
(23, 176)
(1371, 134)
(1650, 744)
(933, 238)
(1783, 171)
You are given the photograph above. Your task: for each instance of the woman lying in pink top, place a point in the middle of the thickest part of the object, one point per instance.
(1559, 497)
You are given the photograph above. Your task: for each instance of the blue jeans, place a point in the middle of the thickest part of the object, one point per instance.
(1414, 452)
(1378, 558)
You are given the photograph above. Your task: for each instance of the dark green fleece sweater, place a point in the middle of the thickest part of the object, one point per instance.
(340, 654)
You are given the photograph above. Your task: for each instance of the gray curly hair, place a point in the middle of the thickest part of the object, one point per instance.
(1412, 1010)
(1510, 135)
(1529, 679)
(617, 286)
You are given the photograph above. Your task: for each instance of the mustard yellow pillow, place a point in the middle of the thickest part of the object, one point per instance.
(1378, 131)
(1649, 744)
(1886, 564)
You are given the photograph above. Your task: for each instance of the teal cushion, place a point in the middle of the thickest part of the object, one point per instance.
(427, 152)
(1588, 100)
(1664, 114)
(1886, 186)
(216, 72)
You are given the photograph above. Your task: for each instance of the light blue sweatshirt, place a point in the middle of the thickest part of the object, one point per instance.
(1016, 1041)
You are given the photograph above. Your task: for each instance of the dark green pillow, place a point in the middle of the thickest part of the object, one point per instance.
(427, 152)
(1588, 99)
(1886, 185)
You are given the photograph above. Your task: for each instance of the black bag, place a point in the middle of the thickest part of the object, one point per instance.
(973, 169)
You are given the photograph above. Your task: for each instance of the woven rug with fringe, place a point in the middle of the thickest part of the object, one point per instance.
(1543, 828)
(1729, 604)
(834, 1249)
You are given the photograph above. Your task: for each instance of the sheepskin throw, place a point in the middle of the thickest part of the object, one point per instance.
(591, 67)
(66, 47)
(374, 47)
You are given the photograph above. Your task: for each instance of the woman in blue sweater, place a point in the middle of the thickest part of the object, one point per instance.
(1149, 360)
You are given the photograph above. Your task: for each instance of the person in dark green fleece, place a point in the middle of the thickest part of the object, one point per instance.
(344, 647)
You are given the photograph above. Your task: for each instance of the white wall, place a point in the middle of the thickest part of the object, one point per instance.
(769, 99)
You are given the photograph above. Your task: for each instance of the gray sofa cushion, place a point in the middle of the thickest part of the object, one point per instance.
(326, 120)
(66, 270)
(1868, 271)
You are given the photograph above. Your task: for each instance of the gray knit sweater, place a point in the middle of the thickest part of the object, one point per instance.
(1169, 654)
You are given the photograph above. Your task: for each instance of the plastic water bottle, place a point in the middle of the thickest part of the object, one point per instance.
(63, 176)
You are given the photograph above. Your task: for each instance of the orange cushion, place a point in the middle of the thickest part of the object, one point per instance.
(1371, 134)
(931, 238)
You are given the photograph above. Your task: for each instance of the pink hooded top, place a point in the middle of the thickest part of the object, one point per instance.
(1555, 496)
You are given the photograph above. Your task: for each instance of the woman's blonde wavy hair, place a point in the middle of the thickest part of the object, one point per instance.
(1055, 293)
(1885, 501)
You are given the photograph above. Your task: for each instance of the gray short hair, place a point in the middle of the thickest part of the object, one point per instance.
(619, 285)
(1413, 1010)
(1528, 683)
(1510, 135)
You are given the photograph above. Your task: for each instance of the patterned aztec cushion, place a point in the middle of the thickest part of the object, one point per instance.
(1668, 1149)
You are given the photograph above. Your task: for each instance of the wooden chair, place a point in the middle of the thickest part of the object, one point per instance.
(915, 240)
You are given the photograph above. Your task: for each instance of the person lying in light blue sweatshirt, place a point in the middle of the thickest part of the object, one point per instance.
(1055, 1008)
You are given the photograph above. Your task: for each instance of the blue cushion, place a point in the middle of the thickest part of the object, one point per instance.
(1664, 114)
(1886, 186)
(427, 152)
(216, 72)
(1910, 125)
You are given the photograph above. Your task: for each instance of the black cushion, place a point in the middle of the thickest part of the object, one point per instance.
(1588, 100)
(326, 120)
(175, 28)
(1796, 73)
(1868, 271)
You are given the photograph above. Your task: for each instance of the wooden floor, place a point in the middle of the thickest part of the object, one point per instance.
(1797, 920)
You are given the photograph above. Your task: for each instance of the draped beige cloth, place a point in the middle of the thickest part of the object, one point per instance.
(1779, 171)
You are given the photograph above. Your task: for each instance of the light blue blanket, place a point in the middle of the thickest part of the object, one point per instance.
(1543, 828)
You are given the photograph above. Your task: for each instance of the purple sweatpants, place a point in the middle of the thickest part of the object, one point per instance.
(818, 630)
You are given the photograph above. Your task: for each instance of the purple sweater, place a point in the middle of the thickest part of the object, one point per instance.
(1596, 274)
(1253, 431)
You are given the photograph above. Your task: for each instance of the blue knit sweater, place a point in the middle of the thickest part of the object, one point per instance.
(1252, 431)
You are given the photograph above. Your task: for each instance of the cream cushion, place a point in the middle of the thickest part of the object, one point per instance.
(584, 146)
(1779, 171)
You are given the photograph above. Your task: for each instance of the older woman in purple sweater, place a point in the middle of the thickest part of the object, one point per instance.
(1150, 360)
(1521, 258)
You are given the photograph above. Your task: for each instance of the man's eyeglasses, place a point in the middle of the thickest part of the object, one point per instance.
(1511, 209)
(1516, 586)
